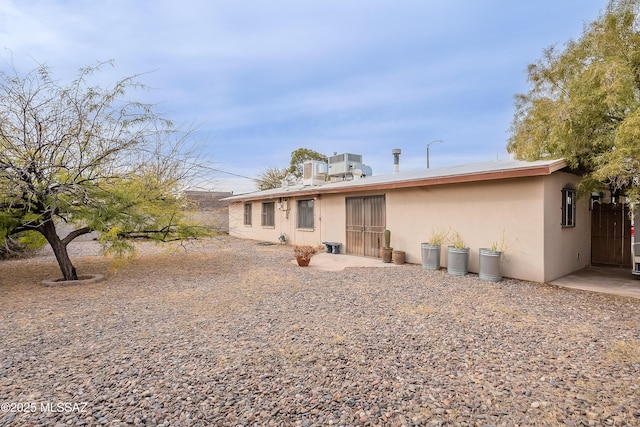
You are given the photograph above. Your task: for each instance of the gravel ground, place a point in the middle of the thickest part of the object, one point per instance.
(231, 333)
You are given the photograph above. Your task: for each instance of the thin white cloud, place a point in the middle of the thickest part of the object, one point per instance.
(268, 76)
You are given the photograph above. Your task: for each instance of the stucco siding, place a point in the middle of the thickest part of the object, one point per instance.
(566, 249)
(482, 213)
(285, 221)
(333, 218)
(523, 209)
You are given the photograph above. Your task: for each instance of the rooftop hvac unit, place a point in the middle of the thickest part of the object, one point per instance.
(343, 165)
(314, 172)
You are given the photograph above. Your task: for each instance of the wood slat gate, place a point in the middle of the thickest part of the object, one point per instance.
(611, 235)
(365, 225)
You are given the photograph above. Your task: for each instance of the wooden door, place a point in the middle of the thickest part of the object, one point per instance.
(611, 235)
(365, 225)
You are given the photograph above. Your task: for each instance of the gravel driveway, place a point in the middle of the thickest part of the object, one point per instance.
(232, 334)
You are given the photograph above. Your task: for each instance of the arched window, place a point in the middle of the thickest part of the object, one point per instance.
(568, 207)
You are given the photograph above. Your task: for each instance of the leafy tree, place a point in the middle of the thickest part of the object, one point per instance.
(583, 104)
(301, 155)
(85, 156)
(272, 177)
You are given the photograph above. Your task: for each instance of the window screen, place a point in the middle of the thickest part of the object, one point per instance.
(268, 214)
(305, 213)
(247, 214)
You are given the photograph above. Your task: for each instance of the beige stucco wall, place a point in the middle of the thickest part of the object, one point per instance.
(285, 222)
(566, 249)
(334, 218)
(526, 211)
(482, 212)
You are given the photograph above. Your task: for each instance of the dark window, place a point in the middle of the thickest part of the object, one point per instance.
(568, 207)
(268, 214)
(247, 214)
(305, 213)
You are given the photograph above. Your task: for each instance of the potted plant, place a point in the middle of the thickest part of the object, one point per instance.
(386, 251)
(399, 257)
(457, 256)
(490, 261)
(303, 254)
(431, 249)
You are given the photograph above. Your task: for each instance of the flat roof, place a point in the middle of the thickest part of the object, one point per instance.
(482, 171)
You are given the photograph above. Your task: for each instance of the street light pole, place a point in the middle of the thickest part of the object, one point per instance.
(428, 145)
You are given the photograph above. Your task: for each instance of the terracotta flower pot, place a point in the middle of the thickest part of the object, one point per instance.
(399, 257)
(303, 262)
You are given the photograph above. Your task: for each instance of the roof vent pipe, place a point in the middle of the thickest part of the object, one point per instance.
(396, 159)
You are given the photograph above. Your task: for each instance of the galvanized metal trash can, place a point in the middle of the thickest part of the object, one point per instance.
(430, 256)
(490, 265)
(457, 261)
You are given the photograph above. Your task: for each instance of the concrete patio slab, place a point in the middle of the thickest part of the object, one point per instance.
(610, 280)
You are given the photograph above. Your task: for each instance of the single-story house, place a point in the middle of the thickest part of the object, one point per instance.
(547, 229)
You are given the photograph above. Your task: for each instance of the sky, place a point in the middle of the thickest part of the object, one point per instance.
(258, 79)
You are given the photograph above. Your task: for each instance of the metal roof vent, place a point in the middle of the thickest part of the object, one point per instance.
(396, 159)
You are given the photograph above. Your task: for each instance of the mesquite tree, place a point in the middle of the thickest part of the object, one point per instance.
(85, 156)
(584, 103)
